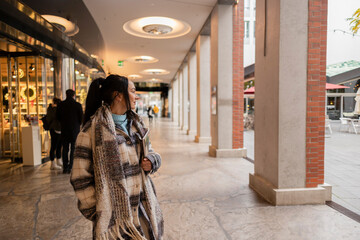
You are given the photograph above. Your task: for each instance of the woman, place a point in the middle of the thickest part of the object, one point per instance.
(110, 174)
(55, 134)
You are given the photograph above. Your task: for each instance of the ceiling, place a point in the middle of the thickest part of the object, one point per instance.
(101, 30)
(111, 15)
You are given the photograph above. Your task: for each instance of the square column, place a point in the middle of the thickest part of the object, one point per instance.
(285, 78)
(185, 103)
(226, 116)
(170, 103)
(175, 101)
(180, 98)
(203, 89)
(192, 93)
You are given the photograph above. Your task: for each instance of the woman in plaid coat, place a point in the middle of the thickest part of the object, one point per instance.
(110, 174)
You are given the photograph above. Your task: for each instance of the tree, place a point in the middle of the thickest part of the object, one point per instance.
(355, 21)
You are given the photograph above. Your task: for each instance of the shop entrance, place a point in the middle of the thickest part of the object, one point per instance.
(27, 86)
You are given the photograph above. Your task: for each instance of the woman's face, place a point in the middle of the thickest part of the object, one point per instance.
(133, 97)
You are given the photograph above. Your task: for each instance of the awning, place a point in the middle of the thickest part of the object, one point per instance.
(334, 86)
(328, 87)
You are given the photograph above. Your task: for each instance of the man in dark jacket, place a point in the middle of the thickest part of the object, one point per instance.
(69, 113)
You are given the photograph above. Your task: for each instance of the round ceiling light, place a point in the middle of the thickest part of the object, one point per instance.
(154, 80)
(134, 76)
(157, 27)
(155, 72)
(64, 25)
(142, 59)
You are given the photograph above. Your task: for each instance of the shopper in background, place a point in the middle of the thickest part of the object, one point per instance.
(70, 115)
(55, 134)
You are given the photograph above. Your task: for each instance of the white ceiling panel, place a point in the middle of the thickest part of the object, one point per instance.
(111, 15)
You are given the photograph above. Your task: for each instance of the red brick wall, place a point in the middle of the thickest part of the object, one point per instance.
(238, 75)
(316, 95)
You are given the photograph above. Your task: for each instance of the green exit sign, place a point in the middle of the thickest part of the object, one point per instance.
(120, 63)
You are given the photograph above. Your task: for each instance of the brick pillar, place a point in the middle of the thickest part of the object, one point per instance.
(238, 75)
(316, 93)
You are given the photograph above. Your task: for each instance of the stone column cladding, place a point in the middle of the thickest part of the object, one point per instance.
(316, 93)
(192, 93)
(185, 97)
(226, 97)
(203, 89)
(238, 75)
(170, 102)
(175, 96)
(180, 94)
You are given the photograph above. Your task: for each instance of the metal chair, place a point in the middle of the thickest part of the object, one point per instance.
(328, 125)
(344, 122)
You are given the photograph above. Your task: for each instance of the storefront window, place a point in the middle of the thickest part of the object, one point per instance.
(82, 82)
(333, 107)
(24, 95)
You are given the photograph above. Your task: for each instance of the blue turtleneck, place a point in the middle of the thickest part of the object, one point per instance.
(121, 121)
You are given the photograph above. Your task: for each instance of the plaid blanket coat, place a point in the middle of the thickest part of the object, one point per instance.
(109, 182)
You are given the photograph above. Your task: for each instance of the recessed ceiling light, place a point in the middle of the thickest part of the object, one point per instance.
(154, 80)
(62, 24)
(142, 59)
(155, 72)
(134, 76)
(157, 27)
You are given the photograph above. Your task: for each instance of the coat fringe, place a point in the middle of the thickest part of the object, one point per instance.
(114, 231)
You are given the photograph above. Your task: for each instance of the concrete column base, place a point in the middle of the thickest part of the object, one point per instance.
(202, 139)
(227, 153)
(289, 196)
(191, 132)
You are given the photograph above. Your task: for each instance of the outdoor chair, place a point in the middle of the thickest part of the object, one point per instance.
(356, 125)
(344, 122)
(328, 125)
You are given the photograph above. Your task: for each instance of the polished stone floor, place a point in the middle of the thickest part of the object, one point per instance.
(201, 197)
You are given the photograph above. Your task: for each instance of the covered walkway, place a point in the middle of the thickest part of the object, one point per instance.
(201, 197)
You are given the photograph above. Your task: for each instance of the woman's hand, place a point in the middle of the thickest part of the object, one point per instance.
(146, 165)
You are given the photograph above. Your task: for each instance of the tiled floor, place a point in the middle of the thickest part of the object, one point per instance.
(201, 197)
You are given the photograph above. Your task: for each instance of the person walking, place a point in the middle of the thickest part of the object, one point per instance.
(70, 114)
(149, 110)
(155, 110)
(112, 167)
(55, 134)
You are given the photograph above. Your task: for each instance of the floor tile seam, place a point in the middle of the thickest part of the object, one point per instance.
(67, 225)
(36, 213)
(227, 235)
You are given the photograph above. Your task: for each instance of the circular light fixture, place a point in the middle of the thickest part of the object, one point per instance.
(154, 80)
(92, 70)
(142, 59)
(134, 76)
(155, 72)
(62, 24)
(157, 27)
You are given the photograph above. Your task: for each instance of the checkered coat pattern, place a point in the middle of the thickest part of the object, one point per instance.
(108, 181)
